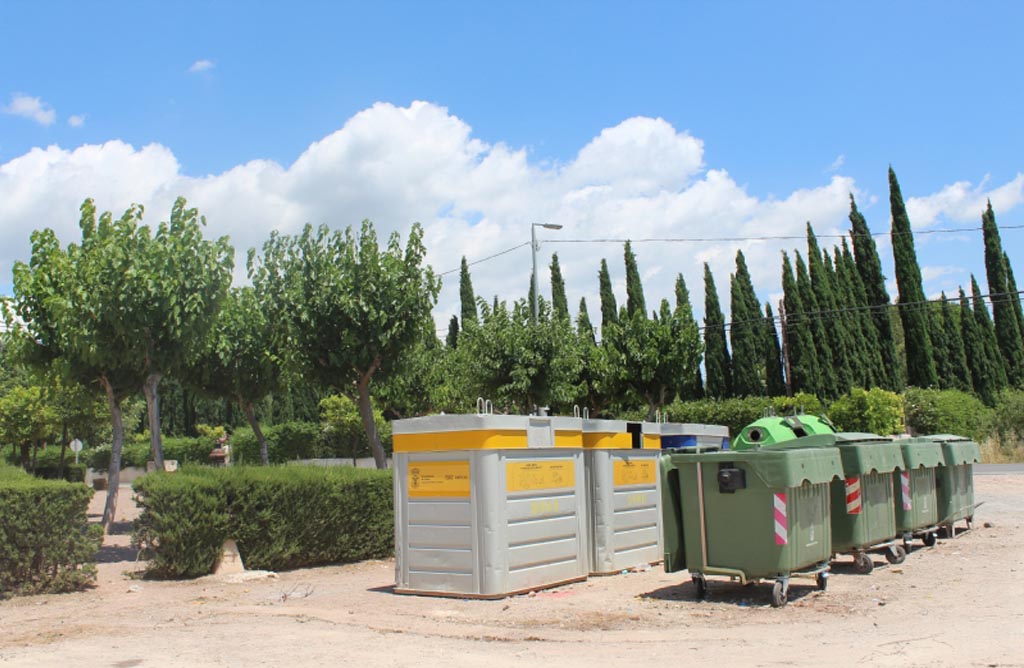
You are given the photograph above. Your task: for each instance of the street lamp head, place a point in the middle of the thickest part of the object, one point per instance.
(550, 226)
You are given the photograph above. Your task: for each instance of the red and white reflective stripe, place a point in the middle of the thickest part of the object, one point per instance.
(853, 504)
(905, 484)
(781, 524)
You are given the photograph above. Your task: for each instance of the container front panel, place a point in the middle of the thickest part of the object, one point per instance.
(624, 507)
(809, 536)
(923, 511)
(436, 533)
(876, 520)
(545, 538)
(955, 492)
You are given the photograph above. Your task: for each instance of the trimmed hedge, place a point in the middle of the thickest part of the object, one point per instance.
(282, 517)
(46, 543)
(947, 412)
(48, 464)
(738, 413)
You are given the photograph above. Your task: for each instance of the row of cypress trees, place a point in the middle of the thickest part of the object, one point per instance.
(837, 326)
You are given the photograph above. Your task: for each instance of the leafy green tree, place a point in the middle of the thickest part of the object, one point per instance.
(466, 296)
(1007, 330)
(518, 363)
(340, 419)
(609, 310)
(243, 362)
(351, 307)
(635, 302)
(27, 420)
(559, 302)
(83, 309)
(803, 357)
(816, 323)
(717, 364)
(650, 355)
(691, 387)
(875, 411)
(746, 333)
(913, 310)
(775, 382)
(869, 266)
(594, 370)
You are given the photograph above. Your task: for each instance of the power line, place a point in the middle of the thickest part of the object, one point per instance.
(489, 257)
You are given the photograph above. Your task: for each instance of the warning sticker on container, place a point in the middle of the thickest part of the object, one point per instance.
(431, 479)
(635, 472)
(539, 475)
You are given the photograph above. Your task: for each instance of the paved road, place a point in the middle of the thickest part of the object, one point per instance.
(998, 469)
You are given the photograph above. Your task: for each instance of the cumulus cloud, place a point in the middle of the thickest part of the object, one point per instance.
(963, 202)
(641, 179)
(76, 121)
(201, 66)
(31, 108)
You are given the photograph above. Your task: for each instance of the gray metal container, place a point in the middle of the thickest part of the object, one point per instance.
(676, 435)
(488, 506)
(623, 494)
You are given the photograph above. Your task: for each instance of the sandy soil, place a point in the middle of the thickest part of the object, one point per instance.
(960, 603)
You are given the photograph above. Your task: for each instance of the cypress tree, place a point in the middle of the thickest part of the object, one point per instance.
(1015, 295)
(870, 269)
(716, 354)
(913, 310)
(944, 362)
(583, 326)
(961, 375)
(692, 387)
(987, 334)
(983, 377)
(746, 333)
(1008, 334)
(609, 310)
(836, 337)
(871, 368)
(559, 302)
(634, 287)
(803, 358)
(816, 324)
(775, 382)
(452, 340)
(466, 295)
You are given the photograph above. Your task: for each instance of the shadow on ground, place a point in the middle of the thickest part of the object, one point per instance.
(110, 554)
(733, 593)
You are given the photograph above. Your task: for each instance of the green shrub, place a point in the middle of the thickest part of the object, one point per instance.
(132, 454)
(46, 544)
(738, 413)
(946, 412)
(875, 411)
(281, 517)
(48, 464)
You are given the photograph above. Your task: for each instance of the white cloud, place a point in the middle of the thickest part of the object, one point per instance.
(962, 202)
(76, 121)
(31, 108)
(837, 163)
(641, 179)
(202, 65)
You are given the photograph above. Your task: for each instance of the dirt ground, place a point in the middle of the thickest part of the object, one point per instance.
(960, 603)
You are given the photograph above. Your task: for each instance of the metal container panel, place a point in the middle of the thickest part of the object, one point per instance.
(876, 520)
(920, 510)
(624, 509)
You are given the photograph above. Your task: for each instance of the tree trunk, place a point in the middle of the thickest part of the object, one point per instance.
(114, 473)
(250, 415)
(63, 447)
(26, 455)
(366, 413)
(149, 389)
(35, 455)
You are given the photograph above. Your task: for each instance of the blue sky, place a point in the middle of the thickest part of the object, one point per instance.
(620, 119)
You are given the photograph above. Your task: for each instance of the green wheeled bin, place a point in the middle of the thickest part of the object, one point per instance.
(917, 509)
(750, 516)
(863, 509)
(954, 481)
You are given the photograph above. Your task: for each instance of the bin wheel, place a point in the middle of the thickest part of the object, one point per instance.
(862, 563)
(929, 538)
(780, 594)
(821, 579)
(970, 522)
(701, 584)
(896, 554)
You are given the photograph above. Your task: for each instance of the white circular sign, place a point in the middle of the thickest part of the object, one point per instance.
(75, 445)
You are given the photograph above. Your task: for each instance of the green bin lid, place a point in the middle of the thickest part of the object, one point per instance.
(861, 453)
(921, 453)
(957, 449)
(777, 467)
(778, 429)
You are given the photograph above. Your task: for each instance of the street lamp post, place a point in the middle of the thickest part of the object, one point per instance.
(534, 246)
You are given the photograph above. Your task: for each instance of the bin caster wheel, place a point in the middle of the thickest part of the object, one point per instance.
(970, 522)
(780, 594)
(862, 563)
(929, 539)
(821, 579)
(896, 554)
(701, 585)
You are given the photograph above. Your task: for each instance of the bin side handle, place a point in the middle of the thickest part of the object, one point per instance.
(703, 522)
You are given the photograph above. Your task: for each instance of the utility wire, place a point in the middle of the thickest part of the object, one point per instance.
(485, 259)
